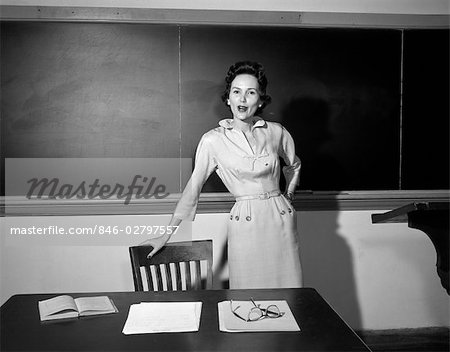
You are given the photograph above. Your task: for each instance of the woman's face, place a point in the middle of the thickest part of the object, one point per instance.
(244, 98)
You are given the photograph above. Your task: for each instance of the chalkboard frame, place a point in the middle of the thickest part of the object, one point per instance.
(223, 17)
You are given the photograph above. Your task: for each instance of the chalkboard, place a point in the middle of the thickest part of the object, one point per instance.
(336, 91)
(89, 90)
(150, 90)
(425, 162)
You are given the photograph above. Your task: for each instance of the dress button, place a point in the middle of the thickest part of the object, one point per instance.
(289, 210)
(237, 218)
(282, 212)
(248, 218)
(231, 217)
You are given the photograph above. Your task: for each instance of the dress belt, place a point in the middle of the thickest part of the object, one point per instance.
(265, 195)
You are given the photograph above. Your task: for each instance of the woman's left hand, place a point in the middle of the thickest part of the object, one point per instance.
(289, 196)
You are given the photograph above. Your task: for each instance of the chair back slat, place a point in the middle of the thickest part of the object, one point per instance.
(187, 273)
(169, 277)
(209, 275)
(159, 280)
(149, 278)
(178, 275)
(198, 275)
(194, 252)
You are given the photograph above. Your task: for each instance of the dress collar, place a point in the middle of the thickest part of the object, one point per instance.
(229, 124)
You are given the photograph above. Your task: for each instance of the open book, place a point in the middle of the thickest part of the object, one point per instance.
(65, 306)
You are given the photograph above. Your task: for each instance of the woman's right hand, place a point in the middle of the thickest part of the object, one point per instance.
(157, 243)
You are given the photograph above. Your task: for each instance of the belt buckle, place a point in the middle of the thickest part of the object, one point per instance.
(264, 196)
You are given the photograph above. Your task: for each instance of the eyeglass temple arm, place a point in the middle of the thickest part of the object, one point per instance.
(234, 311)
(256, 305)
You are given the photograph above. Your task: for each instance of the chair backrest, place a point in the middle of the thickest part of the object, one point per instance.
(171, 261)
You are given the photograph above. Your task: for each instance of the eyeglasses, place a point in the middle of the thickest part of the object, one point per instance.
(257, 312)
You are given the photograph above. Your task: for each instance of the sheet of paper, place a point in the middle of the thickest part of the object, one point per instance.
(228, 322)
(158, 317)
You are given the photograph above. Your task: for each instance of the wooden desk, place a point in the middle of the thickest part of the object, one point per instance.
(321, 328)
(431, 218)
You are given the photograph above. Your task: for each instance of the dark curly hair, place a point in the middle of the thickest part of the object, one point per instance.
(251, 68)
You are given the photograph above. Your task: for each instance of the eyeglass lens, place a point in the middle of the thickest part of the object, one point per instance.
(257, 313)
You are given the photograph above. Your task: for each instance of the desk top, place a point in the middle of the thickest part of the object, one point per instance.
(401, 214)
(321, 327)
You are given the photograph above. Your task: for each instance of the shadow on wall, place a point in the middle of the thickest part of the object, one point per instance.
(327, 259)
(328, 265)
(308, 120)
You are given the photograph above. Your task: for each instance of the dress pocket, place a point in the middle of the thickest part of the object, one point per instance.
(285, 207)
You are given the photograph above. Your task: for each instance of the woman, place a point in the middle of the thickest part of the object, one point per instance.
(263, 249)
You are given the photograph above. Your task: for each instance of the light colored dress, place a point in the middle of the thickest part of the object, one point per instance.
(263, 249)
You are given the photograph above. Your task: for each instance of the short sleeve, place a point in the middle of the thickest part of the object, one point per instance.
(205, 164)
(293, 164)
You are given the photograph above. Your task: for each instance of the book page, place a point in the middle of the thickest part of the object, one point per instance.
(95, 305)
(157, 317)
(57, 308)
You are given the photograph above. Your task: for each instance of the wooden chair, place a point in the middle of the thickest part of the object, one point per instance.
(182, 255)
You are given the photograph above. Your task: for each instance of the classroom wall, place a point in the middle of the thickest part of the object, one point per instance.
(375, 276)
(352, 6)
(379, 276)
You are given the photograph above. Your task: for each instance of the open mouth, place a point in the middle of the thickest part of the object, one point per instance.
(242, 108)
